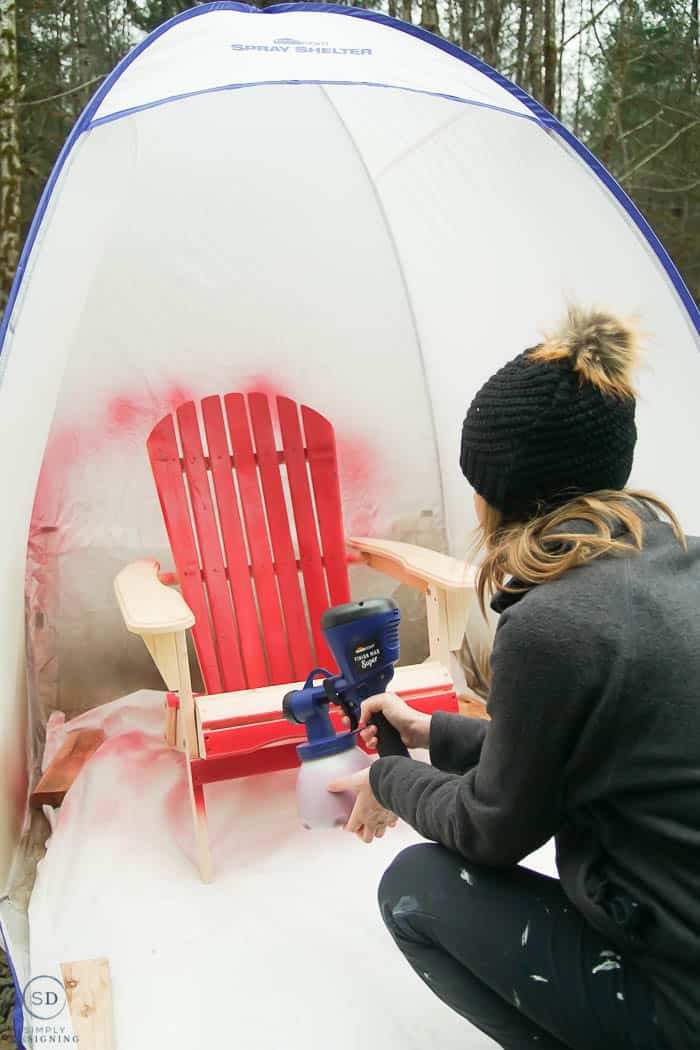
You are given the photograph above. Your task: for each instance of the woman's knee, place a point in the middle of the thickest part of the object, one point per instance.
(405, 881)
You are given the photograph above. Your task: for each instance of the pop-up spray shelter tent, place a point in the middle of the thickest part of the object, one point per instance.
(311, 200)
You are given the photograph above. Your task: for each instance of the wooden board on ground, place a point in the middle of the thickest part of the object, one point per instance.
(89, 993)
(77, 748)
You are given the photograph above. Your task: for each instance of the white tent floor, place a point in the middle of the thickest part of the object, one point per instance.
(285, 948)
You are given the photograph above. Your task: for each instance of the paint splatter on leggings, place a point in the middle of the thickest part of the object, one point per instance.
(507, 950)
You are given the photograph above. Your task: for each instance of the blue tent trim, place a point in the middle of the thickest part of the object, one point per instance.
(118, 114)
(539, 112)
(17, 1012)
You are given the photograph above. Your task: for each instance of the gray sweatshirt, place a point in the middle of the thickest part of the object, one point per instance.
(594, 739)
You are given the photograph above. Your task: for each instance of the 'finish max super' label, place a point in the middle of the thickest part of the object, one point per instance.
(367, 656)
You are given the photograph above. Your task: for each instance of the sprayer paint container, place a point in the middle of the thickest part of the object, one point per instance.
(319, 807)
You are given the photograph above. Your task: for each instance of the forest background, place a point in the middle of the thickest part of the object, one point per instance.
(622, 74)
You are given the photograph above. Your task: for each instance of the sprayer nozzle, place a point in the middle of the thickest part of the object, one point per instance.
(287, 708)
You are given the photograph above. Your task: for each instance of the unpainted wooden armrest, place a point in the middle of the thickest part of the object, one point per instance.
(147, 605)
(417, 565)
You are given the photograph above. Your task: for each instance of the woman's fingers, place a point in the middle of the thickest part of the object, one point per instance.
(371, 706)
(368, 734)
(355, 821)
(367, 832)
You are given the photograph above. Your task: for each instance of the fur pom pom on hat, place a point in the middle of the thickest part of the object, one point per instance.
(557, 420)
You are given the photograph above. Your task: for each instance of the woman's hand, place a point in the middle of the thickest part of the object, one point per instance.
(368, 819)
(413, 726)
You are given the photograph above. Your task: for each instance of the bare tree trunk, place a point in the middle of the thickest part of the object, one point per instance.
(522, 44)
(392, 8)
(79, 56)
(550, 55)
(429, 16)
(535, 49)
(493, 13)
(407, 10)
(694, 44)
(579, 74)
(10, 166)
(617, 90)
(452, 31)
(467, 26)
(560, 71)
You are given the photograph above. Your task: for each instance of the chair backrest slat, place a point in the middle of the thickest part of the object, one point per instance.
(320, 445)
(305, 521)
(259, 550)
(167, 471)
(274, 635)
(278, 524)
(234, 544)
(211, 555)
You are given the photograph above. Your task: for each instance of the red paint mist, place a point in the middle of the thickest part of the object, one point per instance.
(122, 412)
(174, 397)
(262, 385)
(68, 445)
(362, 484)
(126, 413)
(177, 809)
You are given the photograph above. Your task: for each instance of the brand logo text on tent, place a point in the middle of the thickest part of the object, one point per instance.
(301, 43)
(301, 48)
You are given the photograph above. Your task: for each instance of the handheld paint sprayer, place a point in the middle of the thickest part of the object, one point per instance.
(364, 639)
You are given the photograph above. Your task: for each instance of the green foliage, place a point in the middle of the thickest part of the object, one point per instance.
(624, 73)
(148, 15)
(643, 120)
(64, 47)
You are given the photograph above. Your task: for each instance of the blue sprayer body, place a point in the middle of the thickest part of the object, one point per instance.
(364, 639)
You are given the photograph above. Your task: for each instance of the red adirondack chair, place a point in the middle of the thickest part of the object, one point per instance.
(253, 514)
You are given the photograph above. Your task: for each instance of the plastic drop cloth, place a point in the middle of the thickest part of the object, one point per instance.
(286, 948)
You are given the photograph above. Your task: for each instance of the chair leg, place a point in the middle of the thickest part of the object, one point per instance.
(201, 832)
(171, 710)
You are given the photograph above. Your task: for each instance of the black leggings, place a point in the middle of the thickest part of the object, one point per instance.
(506, 949)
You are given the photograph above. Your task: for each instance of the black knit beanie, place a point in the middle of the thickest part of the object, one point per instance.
(556, 421)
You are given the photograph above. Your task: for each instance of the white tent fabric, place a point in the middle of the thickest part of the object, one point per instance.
(314, 201)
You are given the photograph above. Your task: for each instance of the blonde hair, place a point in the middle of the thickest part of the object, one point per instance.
(533, 553)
